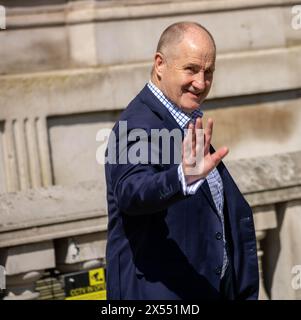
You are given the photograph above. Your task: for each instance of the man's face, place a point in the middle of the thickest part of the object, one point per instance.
(186, 74)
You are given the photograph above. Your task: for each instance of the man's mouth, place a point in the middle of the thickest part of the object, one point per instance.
(195, 95)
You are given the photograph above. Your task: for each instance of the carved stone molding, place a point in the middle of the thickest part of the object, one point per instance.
(26, 154)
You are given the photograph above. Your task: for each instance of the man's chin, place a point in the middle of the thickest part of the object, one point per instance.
(190, 107)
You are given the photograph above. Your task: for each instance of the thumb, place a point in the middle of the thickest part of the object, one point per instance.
(219, 154)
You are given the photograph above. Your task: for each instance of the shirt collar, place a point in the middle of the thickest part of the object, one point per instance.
(178, 114)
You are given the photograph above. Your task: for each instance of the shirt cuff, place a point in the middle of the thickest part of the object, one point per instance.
(192, 188)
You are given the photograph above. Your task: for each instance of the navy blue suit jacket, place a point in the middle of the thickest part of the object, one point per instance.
(162, 244)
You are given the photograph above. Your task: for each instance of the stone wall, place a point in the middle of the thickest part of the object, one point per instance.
(67, 69)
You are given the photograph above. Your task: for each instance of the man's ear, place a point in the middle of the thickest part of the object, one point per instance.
(159, 64)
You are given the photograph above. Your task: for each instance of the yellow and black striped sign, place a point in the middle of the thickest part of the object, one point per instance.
(86, 285)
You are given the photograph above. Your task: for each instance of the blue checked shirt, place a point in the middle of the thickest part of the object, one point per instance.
(214, 180)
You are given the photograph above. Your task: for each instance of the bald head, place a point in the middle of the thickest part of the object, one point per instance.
(173, 35)
(184, 64)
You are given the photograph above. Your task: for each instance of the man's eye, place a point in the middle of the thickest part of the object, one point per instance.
(190, 69)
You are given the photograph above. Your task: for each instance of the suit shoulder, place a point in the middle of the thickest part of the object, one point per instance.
(139, 115)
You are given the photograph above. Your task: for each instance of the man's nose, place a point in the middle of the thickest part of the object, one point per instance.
(199, 81)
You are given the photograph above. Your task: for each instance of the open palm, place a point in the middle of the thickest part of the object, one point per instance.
(197, 161)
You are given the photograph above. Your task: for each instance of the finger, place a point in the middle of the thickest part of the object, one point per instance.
(187, 145)
(199, 123)
(193, 141)
(187, 140)
(199, 139)
(209, 129)
(208, 135)
(198, 152)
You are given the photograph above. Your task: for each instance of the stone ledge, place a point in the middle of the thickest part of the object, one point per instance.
(91, 11)
(268, 180)
(75, 36)
(52, 231)
(58, 212)
(273, 196)
(90, 89)
(267, 173)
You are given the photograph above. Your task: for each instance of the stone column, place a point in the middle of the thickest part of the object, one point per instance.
(262, 291)
(282, 248)
(264, 219)
(26, 153)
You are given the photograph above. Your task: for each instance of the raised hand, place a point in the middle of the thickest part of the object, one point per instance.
(197, 161)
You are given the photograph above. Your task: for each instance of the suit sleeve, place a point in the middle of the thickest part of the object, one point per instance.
(144, 188)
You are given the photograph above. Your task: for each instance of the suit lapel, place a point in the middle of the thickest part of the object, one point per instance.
(159, 109)
(206, 190)
(228, 190)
